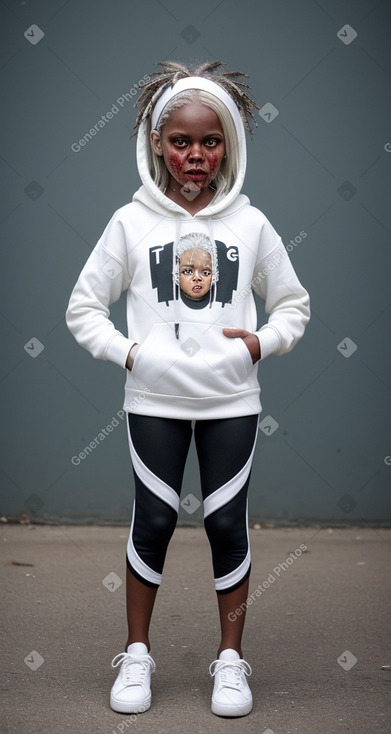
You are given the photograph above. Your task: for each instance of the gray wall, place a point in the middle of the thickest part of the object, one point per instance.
(320, 167)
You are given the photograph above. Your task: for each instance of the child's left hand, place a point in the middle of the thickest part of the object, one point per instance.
(250, 340)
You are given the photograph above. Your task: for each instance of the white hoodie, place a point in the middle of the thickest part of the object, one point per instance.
(190, 371)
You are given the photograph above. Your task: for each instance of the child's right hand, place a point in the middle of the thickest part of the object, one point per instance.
(132, 353)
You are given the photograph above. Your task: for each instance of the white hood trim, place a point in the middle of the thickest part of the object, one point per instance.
(194, 82)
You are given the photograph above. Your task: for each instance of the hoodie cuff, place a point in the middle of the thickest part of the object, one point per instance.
(118, 349)
(269, 341)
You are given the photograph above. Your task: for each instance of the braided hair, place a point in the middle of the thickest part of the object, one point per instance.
(175, 70)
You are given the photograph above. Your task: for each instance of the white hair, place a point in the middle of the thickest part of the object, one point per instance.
(197, 241)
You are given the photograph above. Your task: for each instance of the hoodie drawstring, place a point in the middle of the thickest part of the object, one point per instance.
(212, 292)
(175, 286)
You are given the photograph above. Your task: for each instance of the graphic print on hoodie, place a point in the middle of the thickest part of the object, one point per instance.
(161, 265)
(185, 367)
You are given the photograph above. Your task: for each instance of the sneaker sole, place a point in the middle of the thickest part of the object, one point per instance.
(124, 707)
(231, 711)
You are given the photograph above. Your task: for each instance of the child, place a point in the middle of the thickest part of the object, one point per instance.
(191, 362)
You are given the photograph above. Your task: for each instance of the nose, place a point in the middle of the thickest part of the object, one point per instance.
(195, 152)
(197, 275)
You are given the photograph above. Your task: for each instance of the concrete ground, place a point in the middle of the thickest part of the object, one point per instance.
(317, 632)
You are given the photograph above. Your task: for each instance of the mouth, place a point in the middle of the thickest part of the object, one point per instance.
(197, 288)
(196, 175)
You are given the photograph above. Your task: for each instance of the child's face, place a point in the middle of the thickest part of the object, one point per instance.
(192, 140)
(195, 273)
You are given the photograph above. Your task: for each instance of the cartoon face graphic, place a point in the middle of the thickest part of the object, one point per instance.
(195, 273)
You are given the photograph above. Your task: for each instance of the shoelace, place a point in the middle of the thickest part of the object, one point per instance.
(230, 671)
(131, 674)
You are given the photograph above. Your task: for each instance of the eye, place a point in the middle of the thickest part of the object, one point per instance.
(206, 272)
(180, 142)
(187, 271)
(212, 142)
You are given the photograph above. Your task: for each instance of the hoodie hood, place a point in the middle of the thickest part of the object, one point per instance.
(151, 196)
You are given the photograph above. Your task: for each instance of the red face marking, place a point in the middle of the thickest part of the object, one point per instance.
(176, 162)
(213, 161)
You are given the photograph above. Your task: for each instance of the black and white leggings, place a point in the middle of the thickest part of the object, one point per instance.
(158, 449)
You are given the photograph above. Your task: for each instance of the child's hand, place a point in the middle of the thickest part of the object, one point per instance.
(130, 358)
(251, 341)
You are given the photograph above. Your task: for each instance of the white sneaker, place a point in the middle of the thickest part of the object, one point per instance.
(131, 692)
(231, 693)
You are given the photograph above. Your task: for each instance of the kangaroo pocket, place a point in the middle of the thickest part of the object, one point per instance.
(201, 363)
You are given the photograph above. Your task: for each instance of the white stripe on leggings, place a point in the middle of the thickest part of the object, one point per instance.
(227, 491)
(230, 579)
(150, 480)
(142, 569)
